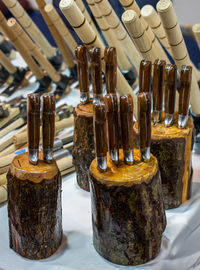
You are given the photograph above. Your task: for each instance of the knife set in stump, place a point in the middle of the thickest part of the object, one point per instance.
(34, 187)
(172, 132)
(127, 205)
(83, 151)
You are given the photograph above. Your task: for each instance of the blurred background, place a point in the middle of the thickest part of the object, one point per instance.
(187, 13)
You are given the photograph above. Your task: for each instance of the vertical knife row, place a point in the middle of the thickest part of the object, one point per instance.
(165, 84)
(106, 128)
(108, 109)
(114, 116)
(110, 59)
(33, 126)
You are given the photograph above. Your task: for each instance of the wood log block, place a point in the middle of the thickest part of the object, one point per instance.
(83, 150)
(172, 147)
(34, 207)
(127, 210)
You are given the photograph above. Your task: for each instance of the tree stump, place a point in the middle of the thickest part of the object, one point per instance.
(83, 151)
(172, 147)
(34, 207)
(127, 210)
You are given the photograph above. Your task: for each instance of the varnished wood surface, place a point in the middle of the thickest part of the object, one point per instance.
(123, 174)
(23, 170)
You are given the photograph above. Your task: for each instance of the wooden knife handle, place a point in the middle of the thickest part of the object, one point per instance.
(158, 84)
(33, 126)
(185, 88)
(126, 115)
(144, 119)
(170, 78)
(100, 135)
(145, 76)
(48, 126)
(96, 73)
(111, 102)
(82, 69)
(110, 58)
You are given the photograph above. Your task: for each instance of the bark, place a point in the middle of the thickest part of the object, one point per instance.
(83, 151)
(170, 155)
(128, 221)
(35, 216)
(172, 147)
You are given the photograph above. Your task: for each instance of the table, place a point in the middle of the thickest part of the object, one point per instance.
(180, 245)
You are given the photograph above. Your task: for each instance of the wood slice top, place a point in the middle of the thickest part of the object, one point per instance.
(125, 175)
(85, 110)
(160, 132)
(23, 170)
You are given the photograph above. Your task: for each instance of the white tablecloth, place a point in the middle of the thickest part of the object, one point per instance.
(180, 245)
(181, 239)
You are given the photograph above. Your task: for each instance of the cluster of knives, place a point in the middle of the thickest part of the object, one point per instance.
(113, 115)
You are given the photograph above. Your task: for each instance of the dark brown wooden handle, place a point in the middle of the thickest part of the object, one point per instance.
(48, 126)
(83, 72)
(126, 115)
(111, 102)
(145, 76)
(96, 73)
(158, 84)
(100, 135)
(185, 88)
(110, 58)
(33, 126)
(144, 124)
(170, 79)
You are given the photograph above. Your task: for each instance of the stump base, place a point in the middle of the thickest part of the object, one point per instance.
(173, 147)
(127, 211)
(34, 208)
(83, 151)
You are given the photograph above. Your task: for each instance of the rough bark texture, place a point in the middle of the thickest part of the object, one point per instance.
(128, 221)
(172, 148)
(170, 155)
(35, 216)
(83, 151)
